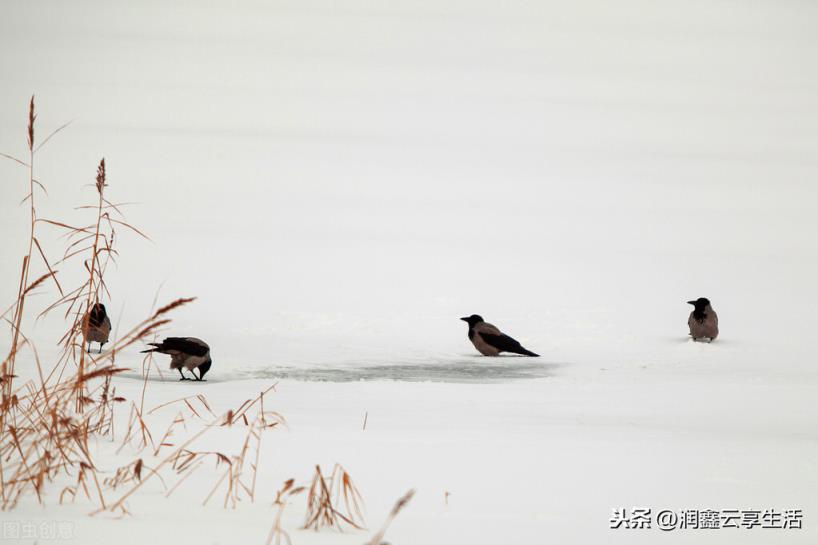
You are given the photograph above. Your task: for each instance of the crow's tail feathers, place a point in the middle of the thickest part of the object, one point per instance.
(525, 352)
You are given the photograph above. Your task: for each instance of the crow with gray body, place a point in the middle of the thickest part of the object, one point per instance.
(490, 341)
(96, 326)
(185, 353)
(703, 321)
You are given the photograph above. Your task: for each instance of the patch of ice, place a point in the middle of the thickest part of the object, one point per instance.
(472, 370)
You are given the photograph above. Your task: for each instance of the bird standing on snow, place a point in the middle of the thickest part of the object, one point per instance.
(703, 321)
(490, 341)
(96, 326)
(185, 352)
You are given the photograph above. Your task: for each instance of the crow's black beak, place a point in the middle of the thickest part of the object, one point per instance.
(465, 319)
(692, 303)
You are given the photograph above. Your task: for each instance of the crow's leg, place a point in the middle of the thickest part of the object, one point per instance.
(183, 375)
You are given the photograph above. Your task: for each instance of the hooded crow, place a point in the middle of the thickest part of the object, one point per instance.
(490, 341)
(96, 326)
(185, 352)
(703, 321)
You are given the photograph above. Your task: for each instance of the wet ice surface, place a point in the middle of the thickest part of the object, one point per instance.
(466, 370)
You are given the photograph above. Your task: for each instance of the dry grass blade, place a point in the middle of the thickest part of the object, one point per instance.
(53, 133)
(131, 227)
(277, 535)
(162, 442)
(130, 473)
(15, 159)
(65, 226)
(104, 372)
(177, 303)
(186, 400)
(233, 416)
(31, 287)
(48, 265)
(402, 502)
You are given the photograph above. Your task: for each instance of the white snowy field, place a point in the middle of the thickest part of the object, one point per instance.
(339, 182)
(524, 461)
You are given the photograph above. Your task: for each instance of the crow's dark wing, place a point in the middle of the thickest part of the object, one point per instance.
(184, 345)
(502, 342)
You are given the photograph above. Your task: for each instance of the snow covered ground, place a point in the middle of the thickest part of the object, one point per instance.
(338, 183)
(527, 460)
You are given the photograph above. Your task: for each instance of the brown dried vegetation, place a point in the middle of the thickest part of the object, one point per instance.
(333, 501)
(49, 426)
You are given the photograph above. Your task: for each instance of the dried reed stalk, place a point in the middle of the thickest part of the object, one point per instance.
(377, 538)
(277, 535)
(47, 425)
(323, 497)
(240, 473)
(7, 369)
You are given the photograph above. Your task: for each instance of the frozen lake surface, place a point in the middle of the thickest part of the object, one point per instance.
(474, 370)
(468, 370)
